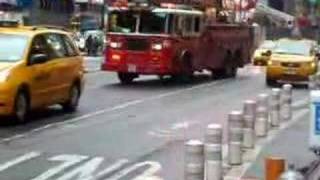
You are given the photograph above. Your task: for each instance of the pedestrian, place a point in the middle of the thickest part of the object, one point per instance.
(89, 42)
(96, 45)
(296, 31)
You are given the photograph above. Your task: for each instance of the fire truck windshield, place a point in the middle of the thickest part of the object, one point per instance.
(137, 22)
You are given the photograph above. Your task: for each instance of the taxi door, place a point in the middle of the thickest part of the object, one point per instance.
(41, 84)
(64, 65)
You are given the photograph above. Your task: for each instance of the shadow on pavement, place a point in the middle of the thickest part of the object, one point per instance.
(167, 83)
(36, 119)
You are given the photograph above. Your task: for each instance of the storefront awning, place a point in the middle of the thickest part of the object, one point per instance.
(273, 15)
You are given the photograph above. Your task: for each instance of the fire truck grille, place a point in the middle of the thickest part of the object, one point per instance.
(137, 44)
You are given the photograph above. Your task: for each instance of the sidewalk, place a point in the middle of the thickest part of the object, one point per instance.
(291, 143)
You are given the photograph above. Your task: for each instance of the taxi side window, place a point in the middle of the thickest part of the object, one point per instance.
(71, 49)
(56, 45)
(39, 46)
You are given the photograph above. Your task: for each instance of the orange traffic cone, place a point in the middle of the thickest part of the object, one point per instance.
(274, 167)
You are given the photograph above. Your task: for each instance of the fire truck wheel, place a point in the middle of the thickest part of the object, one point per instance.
(187, 69)
(231, 72)
(126, 78)
(217, 74)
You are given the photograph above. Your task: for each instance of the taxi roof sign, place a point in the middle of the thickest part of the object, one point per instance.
(9, 23)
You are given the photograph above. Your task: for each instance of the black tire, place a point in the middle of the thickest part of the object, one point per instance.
(187, 73)
(217, 74)
(21, 107)
(126, 78)
(231, 72)
(271, 82)
(72, 103)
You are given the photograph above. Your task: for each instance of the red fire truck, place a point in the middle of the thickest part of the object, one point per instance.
(175, 40)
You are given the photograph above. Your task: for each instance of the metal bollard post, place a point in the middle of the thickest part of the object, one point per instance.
(316, 81)
(249, 116)
(275, 117)
(235, 137)
(286, 99)
(213, 152)
(262, 120)
(194, 165)
(312, 84)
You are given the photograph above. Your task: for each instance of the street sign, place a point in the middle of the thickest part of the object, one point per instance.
(314, 131)
(317, 119)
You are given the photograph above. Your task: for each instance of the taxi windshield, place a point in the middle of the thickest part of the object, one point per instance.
(12, 47)
(144, 22)
(292, 48)
(267, 45)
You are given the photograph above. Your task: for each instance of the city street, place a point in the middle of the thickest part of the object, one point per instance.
(122, 132)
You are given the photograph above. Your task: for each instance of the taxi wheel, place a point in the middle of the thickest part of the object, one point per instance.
(126, 78)
(271, 82)
(73, 102)
(21, 107)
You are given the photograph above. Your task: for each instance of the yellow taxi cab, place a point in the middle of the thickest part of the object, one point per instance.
(263, 53)
(39, 67)
(293, 60)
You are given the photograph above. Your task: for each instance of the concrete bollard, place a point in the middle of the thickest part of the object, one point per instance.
(275, 117)
(286, 102)
(213, 152)
(194, 164)
(262, 119)
(249, 116)
(235, 137)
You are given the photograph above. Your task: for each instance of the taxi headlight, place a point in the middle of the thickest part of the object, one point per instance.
(4, 75)
(313, 65)
(273, 62)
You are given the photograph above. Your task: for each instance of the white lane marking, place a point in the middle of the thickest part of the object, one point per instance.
(303, 103)
(67, 161)
(111, 168)
(261, 144)
(84, 171)
(19, 160)
(149, 174)
(153, 168)
(181, 125)
(111, 109)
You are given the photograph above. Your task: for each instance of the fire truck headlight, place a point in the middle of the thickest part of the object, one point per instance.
(157, 47)
(115, 45)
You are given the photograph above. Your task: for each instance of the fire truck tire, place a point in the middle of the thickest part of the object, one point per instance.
(218, 73)
(126, 78)
(231, 72)
(187, 70)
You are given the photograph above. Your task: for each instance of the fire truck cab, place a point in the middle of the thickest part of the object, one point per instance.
(170, 40)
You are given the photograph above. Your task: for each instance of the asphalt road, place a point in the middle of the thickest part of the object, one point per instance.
(123, 131)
